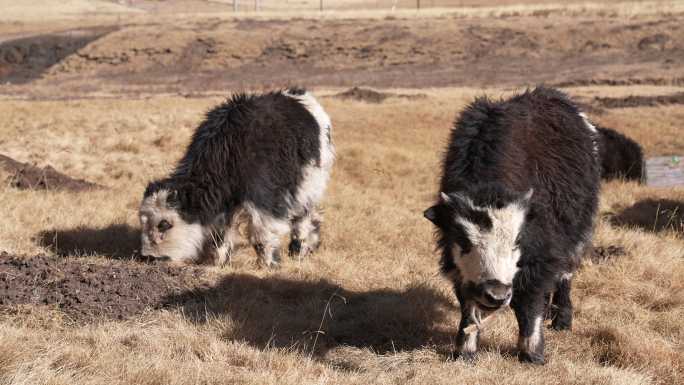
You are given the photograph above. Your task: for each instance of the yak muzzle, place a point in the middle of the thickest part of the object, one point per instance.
(494, 294)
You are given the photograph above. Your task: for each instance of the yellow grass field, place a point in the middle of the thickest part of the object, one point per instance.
(370, 306)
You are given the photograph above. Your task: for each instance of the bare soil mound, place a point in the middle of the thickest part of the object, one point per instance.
(29, 177)
(371, 96)
(641, 101)
(25, 59)
(87, 291)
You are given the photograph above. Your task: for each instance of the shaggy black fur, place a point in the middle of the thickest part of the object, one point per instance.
(498, 150)
(252, 148)
(621, 157)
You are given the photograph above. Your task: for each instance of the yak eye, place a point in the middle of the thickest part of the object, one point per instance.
(164, 225)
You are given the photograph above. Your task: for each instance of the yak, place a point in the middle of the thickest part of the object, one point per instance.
(265, 158)
(516, 210)
(621, 157)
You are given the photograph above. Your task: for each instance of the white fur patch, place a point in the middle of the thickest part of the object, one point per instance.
(470, 343)
(310, 103)
(593, 130)
(312, 188)
(531, 343)
(588, 123)
(265, 230)
(232, 235)
(181, 243)
(494, 254)
(316, 175)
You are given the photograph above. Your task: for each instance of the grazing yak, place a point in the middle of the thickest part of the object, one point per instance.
(519, 194)
(621, 157)
(264, 157)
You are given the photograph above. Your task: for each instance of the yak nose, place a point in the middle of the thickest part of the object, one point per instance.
(496, 293)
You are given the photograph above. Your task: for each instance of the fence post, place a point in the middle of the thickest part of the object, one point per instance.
(256, 5)
(321, 6)
(235, 5)
(418, 4)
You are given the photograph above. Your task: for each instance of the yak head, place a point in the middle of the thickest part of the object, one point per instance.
(168, 233)
(482, 232)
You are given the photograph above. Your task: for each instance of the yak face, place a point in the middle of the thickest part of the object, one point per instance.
(165, 234)
(484, 244)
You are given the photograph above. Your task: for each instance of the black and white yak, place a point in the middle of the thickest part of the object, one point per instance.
(519, 194)
(264, 157)
(621, 157)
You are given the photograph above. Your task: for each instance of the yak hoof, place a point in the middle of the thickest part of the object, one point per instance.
(532, 358)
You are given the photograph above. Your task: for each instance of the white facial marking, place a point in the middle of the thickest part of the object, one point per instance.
(494, 254)
(566, 276)
(181, 243)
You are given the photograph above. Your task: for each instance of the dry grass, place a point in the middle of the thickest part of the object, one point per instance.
(390, 319)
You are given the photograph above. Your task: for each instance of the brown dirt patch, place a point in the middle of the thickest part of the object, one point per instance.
(654, 215)
(87, 291)
(368, 95)
(658, 42)
(29, 177)
(602, 254)
(641, 101)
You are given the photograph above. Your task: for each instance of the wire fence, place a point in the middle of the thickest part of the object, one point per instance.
(328, 5)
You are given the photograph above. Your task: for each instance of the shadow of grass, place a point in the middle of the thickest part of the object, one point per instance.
(617, 348)
(655, 215)
(314, 316)
(118, 241)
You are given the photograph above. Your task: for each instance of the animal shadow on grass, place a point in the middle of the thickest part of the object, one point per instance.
(117, 241)
(315, 316)
(653, 215)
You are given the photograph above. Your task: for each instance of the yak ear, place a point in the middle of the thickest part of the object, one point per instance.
(431, 213)
(458, 203)
(440, 213)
